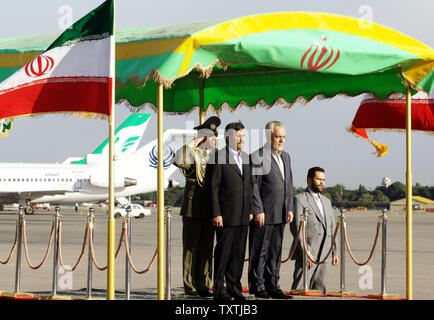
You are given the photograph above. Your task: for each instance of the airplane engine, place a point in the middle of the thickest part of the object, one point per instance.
(120, 182)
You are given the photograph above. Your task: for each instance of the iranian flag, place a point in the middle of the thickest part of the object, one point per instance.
(73, 75)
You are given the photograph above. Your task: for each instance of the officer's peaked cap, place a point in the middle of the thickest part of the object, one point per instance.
(211, 124)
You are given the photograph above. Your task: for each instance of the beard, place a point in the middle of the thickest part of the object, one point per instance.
(316, 189)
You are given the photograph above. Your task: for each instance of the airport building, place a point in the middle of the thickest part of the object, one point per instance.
(419, 204)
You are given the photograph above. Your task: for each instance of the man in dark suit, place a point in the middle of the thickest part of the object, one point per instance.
(197, 230)
(230, 202)
(320, 228)
(272, 206)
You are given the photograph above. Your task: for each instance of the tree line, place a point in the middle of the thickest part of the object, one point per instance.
(338, 195)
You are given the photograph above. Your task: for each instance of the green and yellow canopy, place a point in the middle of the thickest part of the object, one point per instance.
(262, 58)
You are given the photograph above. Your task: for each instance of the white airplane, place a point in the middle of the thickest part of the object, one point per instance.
(85, 179)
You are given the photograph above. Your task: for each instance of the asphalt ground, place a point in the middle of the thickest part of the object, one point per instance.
(360, 280)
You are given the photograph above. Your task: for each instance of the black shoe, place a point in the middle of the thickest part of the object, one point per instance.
(279, 295)
(204, 293)
(223, 297)
(262, 294)
(238, 296)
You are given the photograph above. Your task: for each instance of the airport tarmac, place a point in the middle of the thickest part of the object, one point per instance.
(361, 228)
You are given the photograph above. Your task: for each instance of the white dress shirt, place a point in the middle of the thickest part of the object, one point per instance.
(237, 158)
(279, 161)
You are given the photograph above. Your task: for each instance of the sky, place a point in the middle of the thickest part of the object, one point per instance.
(316, 133)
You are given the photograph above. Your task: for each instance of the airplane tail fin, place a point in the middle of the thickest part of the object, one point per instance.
(173, 139)
(127, 137)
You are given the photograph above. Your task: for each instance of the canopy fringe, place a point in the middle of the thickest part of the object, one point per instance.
(79, 114)
(281, 102)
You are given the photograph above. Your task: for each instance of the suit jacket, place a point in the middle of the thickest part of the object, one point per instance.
(230, 191)
(272, 193)
(316, 230)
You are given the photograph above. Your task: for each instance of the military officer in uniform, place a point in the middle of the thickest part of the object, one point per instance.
(197, 230)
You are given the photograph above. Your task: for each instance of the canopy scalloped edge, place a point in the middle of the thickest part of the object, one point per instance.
(260, 103)
(206, 73)
(167, 83)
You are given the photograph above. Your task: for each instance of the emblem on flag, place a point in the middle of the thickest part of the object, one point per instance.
(39, 66)
(323, 59)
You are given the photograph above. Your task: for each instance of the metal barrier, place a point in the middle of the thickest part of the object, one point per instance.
(90, 224)
(342, 291)
(127, 220)
(56, 233)
(168, 252)
(383, 294)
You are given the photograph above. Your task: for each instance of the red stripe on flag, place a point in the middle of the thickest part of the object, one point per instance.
(57, 95)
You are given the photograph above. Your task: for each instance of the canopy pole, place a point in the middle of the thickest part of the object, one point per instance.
(160, 197)
(111, 221)
(202, 112)
(409, 202)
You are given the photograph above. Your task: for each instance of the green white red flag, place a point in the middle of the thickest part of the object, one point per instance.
(74, 74)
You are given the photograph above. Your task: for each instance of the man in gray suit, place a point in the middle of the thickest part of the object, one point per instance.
(272, 206)
(320, 229)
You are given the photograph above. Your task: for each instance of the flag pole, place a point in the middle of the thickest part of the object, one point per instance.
(111, 220)
(160, 197)
(409, 202)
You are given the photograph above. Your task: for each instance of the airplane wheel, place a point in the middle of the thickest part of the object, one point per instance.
(29, 210)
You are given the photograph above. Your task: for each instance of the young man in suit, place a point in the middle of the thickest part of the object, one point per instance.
(230, 203)
(320, 228)
(272, 207)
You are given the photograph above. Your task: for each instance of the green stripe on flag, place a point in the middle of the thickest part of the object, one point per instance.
(98, 22)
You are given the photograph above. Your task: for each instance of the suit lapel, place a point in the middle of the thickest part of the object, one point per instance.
(314, 207)
(231, 161)
(327, 211)
(275, 165)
